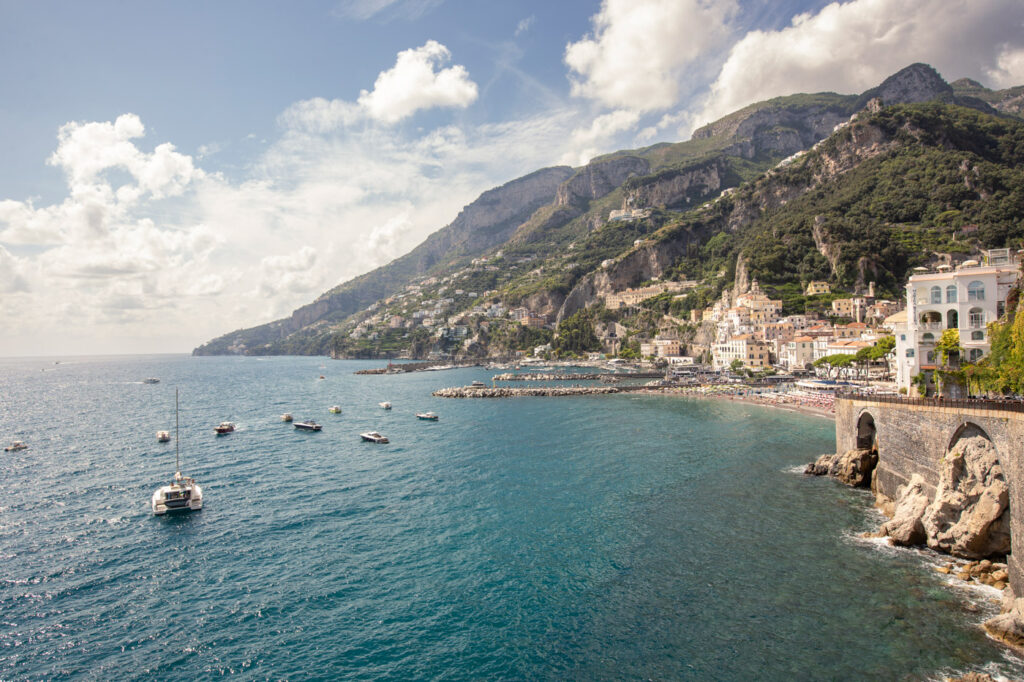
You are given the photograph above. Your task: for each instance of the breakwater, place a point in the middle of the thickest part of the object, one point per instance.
(471, 392)
(409, 367)
(535, 376)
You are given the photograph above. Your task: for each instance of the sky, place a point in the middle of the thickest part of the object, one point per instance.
(173, 171)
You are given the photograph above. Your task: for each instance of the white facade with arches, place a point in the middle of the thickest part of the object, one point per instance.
(967, 298)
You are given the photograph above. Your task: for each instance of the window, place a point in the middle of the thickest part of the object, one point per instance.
(977, 336)
(951, 293)
(1000, 308)
(903, 337)
(976, 318)
(976, 291)
(931, 357)
(910, 352)
(928, 337)
(975, 354)
(952, 319)
(936, 295)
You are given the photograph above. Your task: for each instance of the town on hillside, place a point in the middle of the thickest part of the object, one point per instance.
(888, 345)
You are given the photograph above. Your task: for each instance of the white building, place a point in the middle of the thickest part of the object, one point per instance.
(967, 298)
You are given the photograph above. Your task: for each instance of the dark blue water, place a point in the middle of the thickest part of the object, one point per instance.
(574, 538)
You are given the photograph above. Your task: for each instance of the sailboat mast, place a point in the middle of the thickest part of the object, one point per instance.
(177, 465)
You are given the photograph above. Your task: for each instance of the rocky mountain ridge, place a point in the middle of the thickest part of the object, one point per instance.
(557, 219)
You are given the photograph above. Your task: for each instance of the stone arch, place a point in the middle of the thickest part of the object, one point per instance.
(867, 432)
(967, 430)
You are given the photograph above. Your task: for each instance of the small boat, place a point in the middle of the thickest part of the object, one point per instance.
(322, 376)
(386, 405)
(224, 428)
(151, 380)
(15, 446)
(163, 436)
(478, 384)
(286, 417)
(308, 425)
(373, 437)
(183, 494)
(335, 409)
(429, 416)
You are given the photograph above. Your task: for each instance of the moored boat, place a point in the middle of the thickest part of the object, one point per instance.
(15, 446)
(308, 425)
(335, 409)
(386, 405)
(183, 494)
(224, 428)
(478, 384)
(373, 437)
(286, 417)
(163, 436)
(429, 416)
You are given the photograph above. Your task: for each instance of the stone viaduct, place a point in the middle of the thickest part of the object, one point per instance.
(913, 435)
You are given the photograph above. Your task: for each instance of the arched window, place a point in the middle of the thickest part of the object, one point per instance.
(976, 291)
(975, 354)
(951, 293)
(936, 295)
(976, 318)
(952, 319)
(977, 336)
(928, 337)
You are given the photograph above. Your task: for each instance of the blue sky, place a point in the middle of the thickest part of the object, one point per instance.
(176, 170)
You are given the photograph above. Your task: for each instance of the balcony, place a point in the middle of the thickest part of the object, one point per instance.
(930, 326)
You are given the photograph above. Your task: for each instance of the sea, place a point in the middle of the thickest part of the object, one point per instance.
(580, 538)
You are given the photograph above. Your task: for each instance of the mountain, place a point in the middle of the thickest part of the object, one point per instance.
(848, 188)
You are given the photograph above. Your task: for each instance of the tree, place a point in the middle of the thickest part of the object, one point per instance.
(949, 343)
(736, 365)
(836, 363)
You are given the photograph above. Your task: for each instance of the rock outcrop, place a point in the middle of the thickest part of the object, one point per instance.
(905, 527)
(967, 516)
(1008, 626)
(853, 467)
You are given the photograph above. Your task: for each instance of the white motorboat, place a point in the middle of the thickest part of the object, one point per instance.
(151, 380)
(335, 409)
(386, 405)
(286, 417)
(163, 436)
(308, 425)
(183, 494)
(428, 416)
(373, 437)
(15, 446)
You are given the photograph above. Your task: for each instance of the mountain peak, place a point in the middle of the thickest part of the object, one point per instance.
(915, 83)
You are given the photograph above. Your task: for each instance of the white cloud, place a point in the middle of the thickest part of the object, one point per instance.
(587, 142)
(641, 49)
(524, 25)
(1009, 68)
(416, 82)
(853, 46)
(413, 84)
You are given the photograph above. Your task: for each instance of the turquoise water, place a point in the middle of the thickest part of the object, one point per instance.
(546, 538)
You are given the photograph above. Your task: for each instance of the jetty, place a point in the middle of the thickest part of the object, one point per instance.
(536, 376)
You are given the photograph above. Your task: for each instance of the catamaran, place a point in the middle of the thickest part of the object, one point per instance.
(183, 494)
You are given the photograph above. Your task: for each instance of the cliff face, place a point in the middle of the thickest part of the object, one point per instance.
(481, 225)
(677, 188)
(598, 178)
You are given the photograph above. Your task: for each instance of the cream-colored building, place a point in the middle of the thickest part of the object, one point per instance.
(815, 288)
(747, 348)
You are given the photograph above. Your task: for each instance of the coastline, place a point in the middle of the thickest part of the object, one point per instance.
(779, 401)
